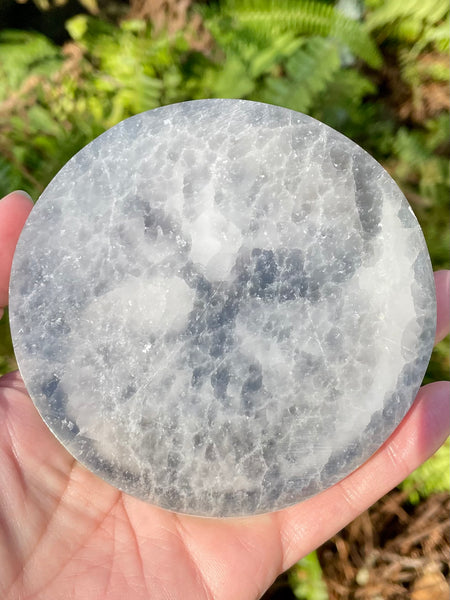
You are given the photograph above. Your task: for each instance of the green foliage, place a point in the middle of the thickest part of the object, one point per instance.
(415, 30)
(22, 54)
(302, 54)
(431, 477)
(306, 73)
(113, 72)
(134, 69)
(306, 579)
(419, 163)
(288, 56)
(286, 53)
(247, 57)
(90, 5)
(305, 18)
(341, 105)
(411, 22)
(7, 362)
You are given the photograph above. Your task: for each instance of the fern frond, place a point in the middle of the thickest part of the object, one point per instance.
(259, 50)
(308, 72)
(409, 146)
(129, 62)
(240, 39)
(24, 53)
(416, 11)
(438, 35)
(342, 101)
(305, 18)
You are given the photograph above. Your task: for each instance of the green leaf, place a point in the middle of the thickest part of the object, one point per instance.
(308, 71)
(77, 27)
(431, 477)
(305, 18)
(22, 54)
(40, 120)
(134, 25)
(306, 579)
(417, 11)
(90, 5)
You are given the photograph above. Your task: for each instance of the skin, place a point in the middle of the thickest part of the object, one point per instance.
(65, 534)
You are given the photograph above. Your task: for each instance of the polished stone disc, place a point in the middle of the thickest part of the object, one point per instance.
(222, 307)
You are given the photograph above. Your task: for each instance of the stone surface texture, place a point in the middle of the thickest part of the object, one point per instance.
(222, 307)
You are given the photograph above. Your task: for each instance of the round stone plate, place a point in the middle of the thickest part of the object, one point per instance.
(222, 307)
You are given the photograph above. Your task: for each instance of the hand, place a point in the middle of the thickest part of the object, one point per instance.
(65, 534)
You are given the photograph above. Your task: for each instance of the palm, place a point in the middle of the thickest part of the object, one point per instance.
(64, 533)
(67, 532)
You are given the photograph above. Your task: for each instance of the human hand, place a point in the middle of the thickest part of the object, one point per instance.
(66, 534)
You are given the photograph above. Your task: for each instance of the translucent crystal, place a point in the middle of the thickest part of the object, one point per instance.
(222, 307)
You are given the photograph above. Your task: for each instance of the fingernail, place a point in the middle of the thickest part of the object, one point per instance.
(26, 194)
(18, 192)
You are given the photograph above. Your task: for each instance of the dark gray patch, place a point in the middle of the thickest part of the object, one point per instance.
(272, 484)
(242, 443)
(174, 499)
(198, 374)
(406, 216)
(128, 392)
(49, 387)
(251, 388)
(375, 428)
(270, 451)
(339, 460)
(199, 439)
(293, 281)
(393, 407)
(265, 271)
(173, 460)
(210, 453)
(157, 223)
(340, 158)
(220, 380)
(369, 200)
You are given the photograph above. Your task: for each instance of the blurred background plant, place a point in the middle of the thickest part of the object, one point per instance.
(376, 70)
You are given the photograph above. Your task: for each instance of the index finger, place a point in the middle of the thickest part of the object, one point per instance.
(14, 211)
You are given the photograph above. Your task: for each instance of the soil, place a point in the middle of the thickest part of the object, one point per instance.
(393, 551)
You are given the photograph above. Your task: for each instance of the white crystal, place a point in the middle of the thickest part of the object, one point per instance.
(222, 307)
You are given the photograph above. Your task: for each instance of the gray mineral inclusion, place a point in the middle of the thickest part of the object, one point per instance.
(222, 307)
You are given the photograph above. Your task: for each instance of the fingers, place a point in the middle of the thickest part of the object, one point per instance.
(442, 279)
(422, 431)
(14, 210)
